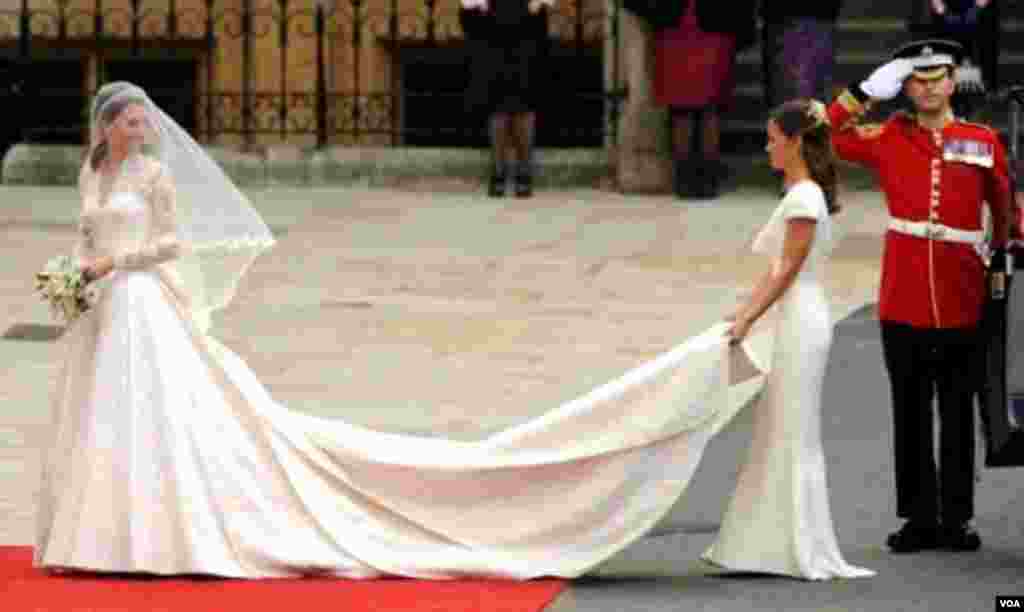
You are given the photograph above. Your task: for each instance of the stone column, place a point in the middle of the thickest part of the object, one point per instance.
(641, 160)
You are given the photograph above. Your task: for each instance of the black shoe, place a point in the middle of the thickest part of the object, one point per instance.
(496, 187)
(711, 179)
(914, 536)
(706, 180)
(682, 177)
(524, 183)
(961, 538)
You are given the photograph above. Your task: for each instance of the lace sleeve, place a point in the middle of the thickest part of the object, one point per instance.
(163, 244)
(83, 248)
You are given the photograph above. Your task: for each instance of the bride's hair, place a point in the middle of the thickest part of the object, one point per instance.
(807, 118)
(107, 114)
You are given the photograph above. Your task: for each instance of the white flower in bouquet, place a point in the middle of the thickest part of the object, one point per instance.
(63, 287)
(91, 293)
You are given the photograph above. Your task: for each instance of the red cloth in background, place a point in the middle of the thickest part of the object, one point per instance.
(693, 68)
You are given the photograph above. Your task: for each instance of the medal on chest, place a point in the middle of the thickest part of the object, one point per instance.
(969, 151)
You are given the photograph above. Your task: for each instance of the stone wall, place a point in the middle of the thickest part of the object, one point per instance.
(642, 163)
(337, 165)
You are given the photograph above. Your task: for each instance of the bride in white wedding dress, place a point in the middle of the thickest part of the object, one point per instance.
(167, 455)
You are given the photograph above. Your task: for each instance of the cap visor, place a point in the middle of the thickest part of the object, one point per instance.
(931, 74)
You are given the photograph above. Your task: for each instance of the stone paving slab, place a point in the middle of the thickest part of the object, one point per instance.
(380, 166)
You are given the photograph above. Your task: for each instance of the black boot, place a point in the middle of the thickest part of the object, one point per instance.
(524, 180)
(706, 181)
(960, 537)
(499, 178)
(682, 179)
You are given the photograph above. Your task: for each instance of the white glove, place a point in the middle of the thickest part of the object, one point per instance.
(969, 79)
(470, 5)
(886, 82)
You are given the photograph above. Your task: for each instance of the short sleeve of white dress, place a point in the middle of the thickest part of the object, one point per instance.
(805, 200)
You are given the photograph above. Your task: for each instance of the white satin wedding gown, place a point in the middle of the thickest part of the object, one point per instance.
(778, 520)
(168, 456)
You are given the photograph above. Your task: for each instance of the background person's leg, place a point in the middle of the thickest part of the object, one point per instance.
(710, 158)
(500, 128)
(524, 128)
(682, 143)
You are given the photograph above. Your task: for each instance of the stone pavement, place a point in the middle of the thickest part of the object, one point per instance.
(446, 312)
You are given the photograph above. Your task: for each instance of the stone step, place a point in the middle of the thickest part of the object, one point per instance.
(746, 137)
(904, 9)
(856, 65)
(863, 44)
(883, 35)
(445, 169)
(748, 103)
(896, 9)
(33, 164)
(886, 35)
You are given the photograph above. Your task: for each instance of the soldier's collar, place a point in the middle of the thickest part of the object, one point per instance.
(915, 118)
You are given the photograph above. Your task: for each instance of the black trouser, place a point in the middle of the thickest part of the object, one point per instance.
(921, 363)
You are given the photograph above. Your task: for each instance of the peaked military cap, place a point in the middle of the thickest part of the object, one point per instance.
(931, 57)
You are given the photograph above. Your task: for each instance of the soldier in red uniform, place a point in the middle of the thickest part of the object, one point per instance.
(937, 173)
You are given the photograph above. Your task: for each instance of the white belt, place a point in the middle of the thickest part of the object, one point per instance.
(936, 231)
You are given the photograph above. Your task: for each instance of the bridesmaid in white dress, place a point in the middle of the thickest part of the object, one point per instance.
(778, 520)
(167, 455)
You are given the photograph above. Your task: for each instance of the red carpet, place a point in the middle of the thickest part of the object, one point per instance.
(25, 589)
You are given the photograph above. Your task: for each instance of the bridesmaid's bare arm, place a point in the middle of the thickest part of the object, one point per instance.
(799, 236)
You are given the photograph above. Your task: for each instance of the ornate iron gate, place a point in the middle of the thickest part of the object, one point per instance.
(321, 72)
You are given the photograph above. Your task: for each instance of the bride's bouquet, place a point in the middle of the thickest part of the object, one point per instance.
(63, 286)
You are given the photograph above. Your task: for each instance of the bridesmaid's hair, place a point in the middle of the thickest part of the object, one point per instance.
(806, 118)
(107, 116)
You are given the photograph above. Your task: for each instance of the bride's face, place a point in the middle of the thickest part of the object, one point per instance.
(129, 128)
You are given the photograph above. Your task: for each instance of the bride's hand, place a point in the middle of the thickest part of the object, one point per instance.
(95, 269)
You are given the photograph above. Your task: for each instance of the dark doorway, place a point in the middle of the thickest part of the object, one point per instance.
(574, 114)
(52, 101)
(170, 83)
(12, 98)
(434, 81)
